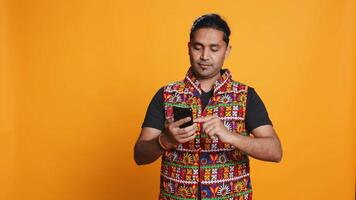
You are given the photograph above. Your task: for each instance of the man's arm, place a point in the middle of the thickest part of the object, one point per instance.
(148, 149)
(263, 145)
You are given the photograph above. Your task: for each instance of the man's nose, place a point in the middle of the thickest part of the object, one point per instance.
(204, 55)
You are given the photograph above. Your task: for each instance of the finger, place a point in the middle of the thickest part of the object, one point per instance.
(198, 120)
(209, 129)
(214, 137)
(188, 129)
(208, 124)
(168, 121)
(181, 121)
(214, 120)
(203, 119)
(188, 134)
(188, 139)
(212, 134)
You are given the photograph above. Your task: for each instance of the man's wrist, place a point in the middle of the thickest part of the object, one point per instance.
(235, 138)
(163, 142)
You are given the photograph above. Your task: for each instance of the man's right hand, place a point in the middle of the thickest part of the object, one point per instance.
(173, 135)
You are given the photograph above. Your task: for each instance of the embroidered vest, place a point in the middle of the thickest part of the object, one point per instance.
(207, 168)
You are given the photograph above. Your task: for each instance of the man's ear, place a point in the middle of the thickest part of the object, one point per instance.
(227, 52)
(188, 45)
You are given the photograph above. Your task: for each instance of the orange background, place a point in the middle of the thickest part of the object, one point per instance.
(76, 78)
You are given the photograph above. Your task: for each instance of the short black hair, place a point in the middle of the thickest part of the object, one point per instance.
(213, 21)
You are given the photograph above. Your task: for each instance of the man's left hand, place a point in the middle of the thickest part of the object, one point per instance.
(214, 127)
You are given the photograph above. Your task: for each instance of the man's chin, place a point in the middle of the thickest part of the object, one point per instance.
(204, 75)
(201, 73)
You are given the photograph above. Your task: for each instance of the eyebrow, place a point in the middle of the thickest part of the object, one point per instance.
(211, 45)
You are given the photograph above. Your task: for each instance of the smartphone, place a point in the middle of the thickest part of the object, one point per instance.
(180, 113)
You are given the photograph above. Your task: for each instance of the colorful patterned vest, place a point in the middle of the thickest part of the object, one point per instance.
(207, 168)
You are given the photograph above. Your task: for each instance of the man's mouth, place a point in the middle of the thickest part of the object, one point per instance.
(204, 65)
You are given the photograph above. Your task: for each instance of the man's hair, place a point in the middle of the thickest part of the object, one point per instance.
(213, 21)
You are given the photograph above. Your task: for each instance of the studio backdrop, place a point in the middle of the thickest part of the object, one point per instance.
(76, 78)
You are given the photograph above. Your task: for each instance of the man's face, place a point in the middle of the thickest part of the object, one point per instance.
(207, 52)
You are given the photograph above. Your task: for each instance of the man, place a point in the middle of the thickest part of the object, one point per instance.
(208, 159)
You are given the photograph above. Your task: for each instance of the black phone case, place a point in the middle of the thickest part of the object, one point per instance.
(180, 113)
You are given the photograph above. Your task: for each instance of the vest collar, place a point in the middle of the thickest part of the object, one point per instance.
(191, 80)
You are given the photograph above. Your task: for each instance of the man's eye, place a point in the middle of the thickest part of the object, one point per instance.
(197, 47)
(214, 49)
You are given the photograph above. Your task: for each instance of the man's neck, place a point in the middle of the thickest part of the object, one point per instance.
(207, 84)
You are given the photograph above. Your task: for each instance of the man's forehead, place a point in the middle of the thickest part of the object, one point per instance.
(208, 36)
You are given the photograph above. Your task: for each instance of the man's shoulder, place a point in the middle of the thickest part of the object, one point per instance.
(173, 85)
(240, 85)
(237, 83)
(180, 82)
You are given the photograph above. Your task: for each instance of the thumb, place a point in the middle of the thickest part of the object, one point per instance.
(169, 120)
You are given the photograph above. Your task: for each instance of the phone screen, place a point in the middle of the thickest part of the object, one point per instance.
(180, 113)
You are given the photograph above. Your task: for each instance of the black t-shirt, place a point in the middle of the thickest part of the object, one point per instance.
(256, 113)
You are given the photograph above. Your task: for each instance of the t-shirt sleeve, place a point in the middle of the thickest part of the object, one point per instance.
(256, 112)
(155, 112)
